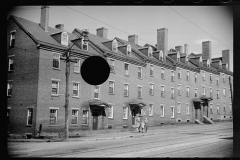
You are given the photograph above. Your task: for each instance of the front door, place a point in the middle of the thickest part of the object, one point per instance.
(133, 117)
(196, 113)
(95, 122)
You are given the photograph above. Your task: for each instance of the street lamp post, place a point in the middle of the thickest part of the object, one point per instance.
(68, 59)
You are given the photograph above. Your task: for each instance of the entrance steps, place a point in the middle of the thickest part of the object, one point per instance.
(207, 120)
(198, 121)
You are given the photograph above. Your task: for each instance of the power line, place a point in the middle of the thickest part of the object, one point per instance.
(199, 27)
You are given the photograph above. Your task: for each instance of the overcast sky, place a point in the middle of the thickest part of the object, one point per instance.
(186, 24)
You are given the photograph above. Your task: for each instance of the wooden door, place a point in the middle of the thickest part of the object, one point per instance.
(95, 122)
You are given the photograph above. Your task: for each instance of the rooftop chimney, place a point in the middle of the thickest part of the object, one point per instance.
(44, 18)
(60, 26)
(162, 40)
(102, 32)
(207, 50)
(133, 39)
(186, 49)
(225, 56)
(179, 49)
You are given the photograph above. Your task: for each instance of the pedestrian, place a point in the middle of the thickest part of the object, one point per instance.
(138, 123)
(142, 125)
(146, 124)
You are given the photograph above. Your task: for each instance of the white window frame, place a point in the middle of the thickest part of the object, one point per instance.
(211, 92)
(211, 78)
(140, 92)
(179, 73)
(150, 111)
(179, 107)
(113, 82)
(11, 38)
(179, 90)
(151, 69)
(126, 84)
(84, 44)
(172, 93)
(196, 89)
(126, 72)
(162, 73)
(151, 87)
(218, 109)
(172, 76)
(12, 62)
(111, 110)
(204, 90)
(78, 89)
(172, 111)
(114, 43)
(9, 87)
(204, 76)
(161, 55)
(112, 64)
(74, 109)
(140, 72)
(187, 91)
(94, 89)
(230, 107)
(28, 115)
(224, 92)
(217, 80)
(230, 93)
(77, 66)
(196, 77)
(58, 86)
(57, 57)
(211, 108)
(87, 115)
(53, 108)
(218, 96)
(126, 112)
(162, 91)
(224, 78)
(188, 76)
(162, 110)
(187, 109)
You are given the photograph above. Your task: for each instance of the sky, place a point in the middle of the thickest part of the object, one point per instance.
(186, 24)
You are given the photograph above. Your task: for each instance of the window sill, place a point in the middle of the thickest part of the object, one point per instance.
(74, 125)
(172, 117)
(28, 126)
(97, 98)
(56, 69)
(125, 96)
(126, 75)
(110, 117)
(51, 125)
(125, 119)
(84, 124)
(111, 94)
(162, 116)
(75, 97)
(55, 95)
(139, 78)
(151, 94)
(150, 115)
(151, 75)
(76, 72)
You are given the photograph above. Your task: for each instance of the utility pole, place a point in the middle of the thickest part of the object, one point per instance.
(68, 59)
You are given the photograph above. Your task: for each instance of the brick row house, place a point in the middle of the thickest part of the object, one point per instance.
(164, 85)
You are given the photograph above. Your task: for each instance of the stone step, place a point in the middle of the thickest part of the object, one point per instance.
(198, 122)
(207, 120)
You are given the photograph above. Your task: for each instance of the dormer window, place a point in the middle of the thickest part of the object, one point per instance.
(208, 63)
(200, 60)
(149, 51)
(84, 45)
(178, 57)
(129, 50)
(114, 45)
(161, 55)
(64, 39)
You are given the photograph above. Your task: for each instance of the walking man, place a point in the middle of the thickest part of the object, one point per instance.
(138, 123)
(146, 124)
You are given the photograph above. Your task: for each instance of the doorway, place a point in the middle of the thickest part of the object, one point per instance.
(133, 117)
(95, 120)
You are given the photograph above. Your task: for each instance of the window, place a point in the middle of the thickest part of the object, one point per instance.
(150, 109)
(56, 61)
(84, 45)
(203, 76)
(55, 87)
(151, 89)
(196, 92)
(53, 116)
(187, 92)
(110, 112)
(187, 109)
(224, 109)
(208, 63)
(74, 119)
(30, 116)
(85, 117)
(12, 39)
(114, 45)
(172, 112)
(9, 88)
(211, 78)
(179, 73)
(162, 73)
(224, 92)
(76, 89)
(172, 93)
(230, 108)
(178, 57)
(162, 110)
(188, 75)
(139, 94)
(161, 55)
(77, 66)
(217, 94)
(162, 91)
(179, 108)
(64, 38)
(129, 50)
(140, 72)
(111, 87)
(126, 69)
(223, 78)
(196, 77)
(211, 111)
(217, 80)
(96, 92)
(125, 112)
(218, 109)
(204, 90)
(10, 63)
(111, 63)
(151, 70)
(172, 76)
(211, 95)
(126, 90)
(230, 93)
(179, 90)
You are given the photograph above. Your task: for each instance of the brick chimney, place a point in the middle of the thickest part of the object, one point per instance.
(102, 32)
(162, 40)
(186, 49)
(60, 26)
(44, 18)
(179, 49)
(225, 56)
(207, 50)
(133, 39)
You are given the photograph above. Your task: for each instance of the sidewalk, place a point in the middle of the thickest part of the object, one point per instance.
(111, 134)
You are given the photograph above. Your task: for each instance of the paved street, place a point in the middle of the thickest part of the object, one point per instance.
(185, 141)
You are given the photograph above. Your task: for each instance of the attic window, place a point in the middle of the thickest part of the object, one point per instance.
(129, 50)
(178, 56)
(161, 55)
(114, 45)
(208, 63)
(64, 38)
(84, 45)
(149, 51)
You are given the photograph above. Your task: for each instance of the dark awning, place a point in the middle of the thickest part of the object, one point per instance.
(98, 106)
(197, 100)
(136, 102)
(205, 98)
(98, 103)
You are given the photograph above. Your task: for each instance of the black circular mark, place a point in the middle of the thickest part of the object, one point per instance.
(197, 1)
(95, 70)
(225, 1)
(167, 1)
